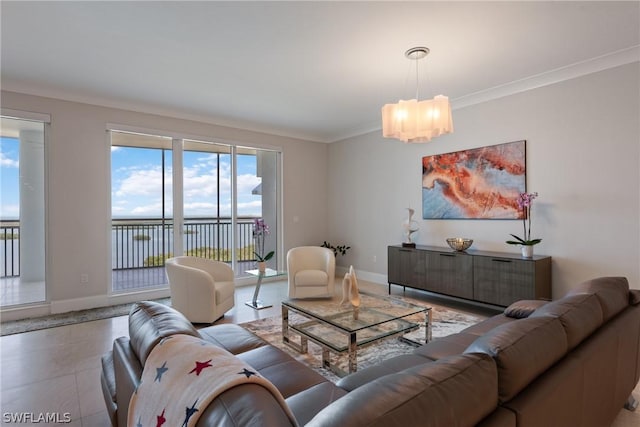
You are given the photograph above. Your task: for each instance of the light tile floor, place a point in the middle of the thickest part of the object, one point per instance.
(57, 370)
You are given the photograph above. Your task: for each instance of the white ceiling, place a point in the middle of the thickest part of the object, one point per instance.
(316, 70)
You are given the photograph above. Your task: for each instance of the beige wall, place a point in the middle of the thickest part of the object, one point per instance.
(583, 158)
(78, 191)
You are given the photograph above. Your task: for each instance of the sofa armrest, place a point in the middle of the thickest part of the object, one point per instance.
(128, 372)
(634, 296)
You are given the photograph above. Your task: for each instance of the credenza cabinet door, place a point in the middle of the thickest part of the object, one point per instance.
(406, 266)
(502, 281)
(449, 273)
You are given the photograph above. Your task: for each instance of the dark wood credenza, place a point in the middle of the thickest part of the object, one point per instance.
(490, 277)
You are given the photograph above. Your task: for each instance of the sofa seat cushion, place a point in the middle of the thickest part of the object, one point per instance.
(386, 367)
(306, 404)
(311, 278)
(457, 391)
(612, 292)
(523, 350)
(244, 405)
(287, 374)
(233, 338)
(580, 315)
(150, 321)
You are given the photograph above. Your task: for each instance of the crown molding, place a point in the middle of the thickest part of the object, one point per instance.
(593, 65)
(578, 69)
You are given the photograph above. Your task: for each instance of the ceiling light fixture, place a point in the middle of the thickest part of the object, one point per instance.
(417, 121)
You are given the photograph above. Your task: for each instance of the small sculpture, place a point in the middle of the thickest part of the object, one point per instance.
(410, 227)
(350, 293)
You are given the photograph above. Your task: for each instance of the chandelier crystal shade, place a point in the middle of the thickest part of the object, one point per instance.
(417, 121)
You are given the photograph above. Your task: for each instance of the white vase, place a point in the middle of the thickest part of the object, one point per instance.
(527, 251)
(262, 266)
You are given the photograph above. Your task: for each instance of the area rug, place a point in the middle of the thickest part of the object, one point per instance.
(445, 322)
(70, 318)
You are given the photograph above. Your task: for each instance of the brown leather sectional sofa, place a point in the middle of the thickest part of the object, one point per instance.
(570, 362)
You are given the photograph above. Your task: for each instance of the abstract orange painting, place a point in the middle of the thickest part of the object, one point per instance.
(480, 183)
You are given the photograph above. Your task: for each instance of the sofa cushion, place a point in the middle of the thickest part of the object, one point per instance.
(456, 391)
(287, 374)
(522, 349)
(580, 315)
(150, 321)
(487, 325)
(311, 278)
(306, 404)
(233, 338)
(386, 367)
(523, 308)
(612, 292)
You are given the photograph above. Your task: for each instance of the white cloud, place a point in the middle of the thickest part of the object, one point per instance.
(143, 183)
(9, 211)
(152, 209)
(7, 162)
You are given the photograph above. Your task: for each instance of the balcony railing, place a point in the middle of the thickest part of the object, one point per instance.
(9, 248)
(148, 242)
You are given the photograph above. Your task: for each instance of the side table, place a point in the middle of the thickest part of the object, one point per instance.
(255, 303)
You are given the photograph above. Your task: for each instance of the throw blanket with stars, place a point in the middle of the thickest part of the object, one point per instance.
(182, 375)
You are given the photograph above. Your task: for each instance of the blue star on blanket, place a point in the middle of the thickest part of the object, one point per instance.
(160, 371)
(247, 372)
(189, 413)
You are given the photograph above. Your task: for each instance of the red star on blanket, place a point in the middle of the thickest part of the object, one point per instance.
(200, 366)
(161, 419)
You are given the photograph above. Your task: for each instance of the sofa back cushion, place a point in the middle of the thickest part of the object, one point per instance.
(612, 292)
(150, 322)
(522, 349)
(454, 391)
(580, 315)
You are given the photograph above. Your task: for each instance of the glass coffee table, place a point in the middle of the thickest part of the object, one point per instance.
(344, 329)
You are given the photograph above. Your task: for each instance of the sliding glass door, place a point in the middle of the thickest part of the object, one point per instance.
(175, 196)
(22, 212)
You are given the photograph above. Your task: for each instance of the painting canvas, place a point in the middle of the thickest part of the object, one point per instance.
(481, 183)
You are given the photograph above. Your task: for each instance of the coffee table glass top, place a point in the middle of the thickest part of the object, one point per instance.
(374, 310)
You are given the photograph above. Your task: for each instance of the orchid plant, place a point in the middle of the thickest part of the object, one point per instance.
(260, 231)
(525, 200)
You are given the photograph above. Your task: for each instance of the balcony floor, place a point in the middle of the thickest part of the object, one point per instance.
(14, 292)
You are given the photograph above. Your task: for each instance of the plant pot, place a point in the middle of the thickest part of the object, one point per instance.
(262, 266)
(527, 251)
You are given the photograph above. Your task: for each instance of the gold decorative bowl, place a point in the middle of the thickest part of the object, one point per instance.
(459, 244)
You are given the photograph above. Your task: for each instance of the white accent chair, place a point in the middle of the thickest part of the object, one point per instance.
(311, 271)
(201, 289)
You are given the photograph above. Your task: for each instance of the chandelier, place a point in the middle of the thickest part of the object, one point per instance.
(417, 121)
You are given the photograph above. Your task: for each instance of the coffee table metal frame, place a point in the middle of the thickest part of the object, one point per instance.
(351, 334)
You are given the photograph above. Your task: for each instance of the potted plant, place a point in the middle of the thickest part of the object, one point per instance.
(260, 231)
(341, 249)
(525, 200)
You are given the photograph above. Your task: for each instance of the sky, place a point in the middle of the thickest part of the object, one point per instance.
(9, 199)
(136, 188)
(137, 184)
